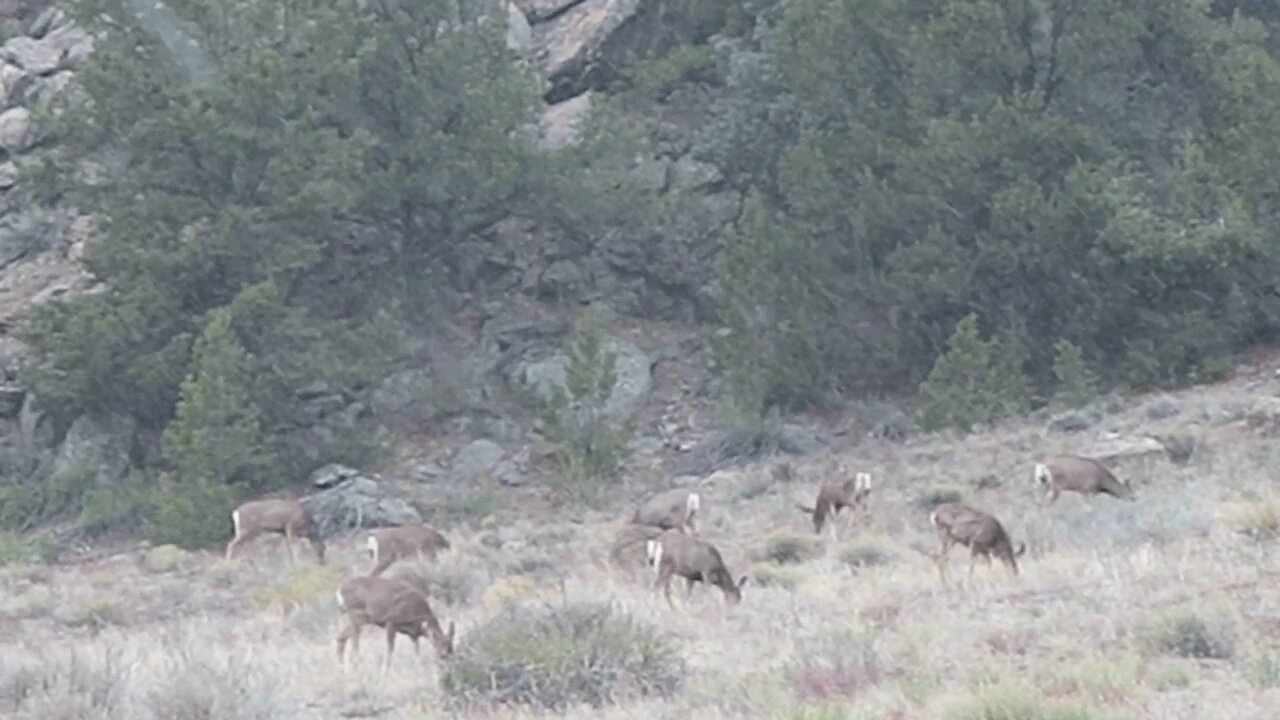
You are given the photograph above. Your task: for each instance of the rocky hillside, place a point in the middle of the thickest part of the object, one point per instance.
(514, 297)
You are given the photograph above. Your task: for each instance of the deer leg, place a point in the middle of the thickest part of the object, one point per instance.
(391, 646)
(239, 540)
(1050, 496)
(664, 582)
(942, 560)
(343, 636)
(288, 539)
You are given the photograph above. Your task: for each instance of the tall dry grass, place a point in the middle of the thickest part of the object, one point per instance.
(1166, 607)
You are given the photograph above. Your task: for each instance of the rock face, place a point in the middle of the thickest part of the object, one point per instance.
(632, 368)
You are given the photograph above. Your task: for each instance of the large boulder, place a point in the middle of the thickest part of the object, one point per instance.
(351, 501)
(97, 444)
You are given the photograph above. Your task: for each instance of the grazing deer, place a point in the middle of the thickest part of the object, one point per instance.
(631, 536)
(394, 604)
(1078, 474)
(674, 553)
(389, 544)
(671, 510)
(981, 532)
(285, 516)
(835, 495)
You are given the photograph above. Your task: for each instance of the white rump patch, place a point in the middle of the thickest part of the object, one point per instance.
(863, 480)
(653, 549)
(692, 504)
(933, 518)
(341, 603)
(372, 545)
(1042, 474)
(235, 521)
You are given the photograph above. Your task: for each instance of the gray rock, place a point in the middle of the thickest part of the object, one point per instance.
(99, 445)
(17, 130)
(404, 390)
(690, 174)
(519, 32)
(358, 502)
(332, 474)
(35, 56)
(477, 458)
(632, 367)
(1162, 409)
(11, 397)
(1124, 448)
(52, 18)
(540, 10)
(27, 232)
(561, 124)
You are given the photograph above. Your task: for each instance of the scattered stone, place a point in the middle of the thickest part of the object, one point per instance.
(332, 474)
(1162, 408)
(1125, 448)
(477, 458)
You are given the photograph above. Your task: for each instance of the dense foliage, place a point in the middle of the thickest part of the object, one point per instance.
(989, 203)
(278, 185)
(1088, 171)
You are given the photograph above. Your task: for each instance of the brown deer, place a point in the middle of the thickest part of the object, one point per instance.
(1078, 474)
(285, 516)
(628, 539)
(979, 531)
(389, 544)
(671, 510)
(673, 553)
(836, 494)
(394, 604)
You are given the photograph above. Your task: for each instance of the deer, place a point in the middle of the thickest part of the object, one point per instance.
(979, 531)
(674, 553)
(835, 495)
(389, 544)
(1077, 474)
(394, 604)
(285, 516)
(675, 509)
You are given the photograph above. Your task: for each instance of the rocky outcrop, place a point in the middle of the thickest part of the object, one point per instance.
(38, 247)
(349, 500)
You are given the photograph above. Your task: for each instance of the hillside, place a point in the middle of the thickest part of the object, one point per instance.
(1164, 607)
(508, 267)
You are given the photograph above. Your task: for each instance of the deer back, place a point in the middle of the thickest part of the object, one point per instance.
(667, 510)
(1084, 475)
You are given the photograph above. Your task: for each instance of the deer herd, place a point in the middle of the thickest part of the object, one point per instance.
(667, 524)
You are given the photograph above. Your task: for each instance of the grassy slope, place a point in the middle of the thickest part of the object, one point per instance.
(1082, 624)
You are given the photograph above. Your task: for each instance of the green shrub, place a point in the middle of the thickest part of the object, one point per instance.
(1077, 384)
(553, 658)
(785, 549)
(1188, 635)
(865, 554)
(973, 382)
(590, 445)
(774, 576)
(190, 515)
(1012, 702)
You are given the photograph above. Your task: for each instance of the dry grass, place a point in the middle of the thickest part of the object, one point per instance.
(1160, 608)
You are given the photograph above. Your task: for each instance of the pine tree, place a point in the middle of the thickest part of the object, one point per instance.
(969, 384)
(1077, 383)
(216, 436)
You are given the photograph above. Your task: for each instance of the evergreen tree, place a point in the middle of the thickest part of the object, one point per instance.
(216, 435)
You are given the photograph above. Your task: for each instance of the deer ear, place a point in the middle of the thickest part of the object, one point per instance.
(450, 635)
(742, 581)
